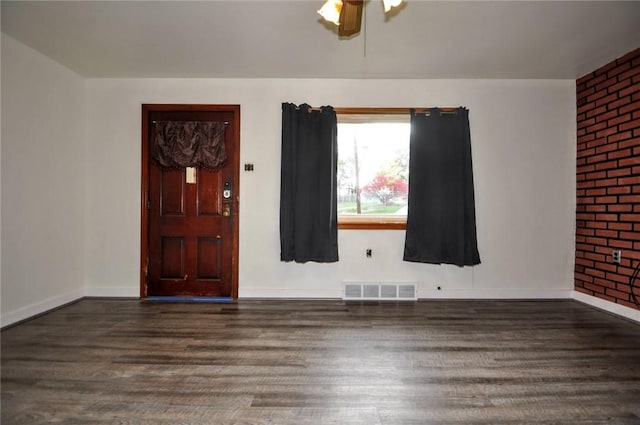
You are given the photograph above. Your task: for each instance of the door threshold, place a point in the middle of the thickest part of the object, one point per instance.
(178, 299)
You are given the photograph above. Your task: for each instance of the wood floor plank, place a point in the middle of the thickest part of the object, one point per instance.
(302, 362)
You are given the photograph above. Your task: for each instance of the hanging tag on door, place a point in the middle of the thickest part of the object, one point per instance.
(191, 175)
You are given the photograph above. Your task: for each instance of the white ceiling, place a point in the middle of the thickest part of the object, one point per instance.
(264, 39)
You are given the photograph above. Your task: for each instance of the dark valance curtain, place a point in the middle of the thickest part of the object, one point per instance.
(308, 187)
(441, 223)
(182, 144)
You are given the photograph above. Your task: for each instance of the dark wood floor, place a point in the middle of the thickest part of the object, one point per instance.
(322, 362)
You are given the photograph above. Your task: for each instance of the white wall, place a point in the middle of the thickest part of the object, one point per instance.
(70, 184)
(523, 141)
(43, 172)
(1, 321)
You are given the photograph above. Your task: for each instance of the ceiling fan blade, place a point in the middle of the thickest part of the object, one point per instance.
(350, 18)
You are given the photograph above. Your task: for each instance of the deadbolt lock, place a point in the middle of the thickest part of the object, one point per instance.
(226, 190)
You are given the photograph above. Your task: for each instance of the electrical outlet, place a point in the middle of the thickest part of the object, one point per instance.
(616, 255)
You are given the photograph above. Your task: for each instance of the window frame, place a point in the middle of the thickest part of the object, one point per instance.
(372, 222)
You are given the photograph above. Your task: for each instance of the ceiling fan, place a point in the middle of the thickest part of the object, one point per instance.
(347, 14)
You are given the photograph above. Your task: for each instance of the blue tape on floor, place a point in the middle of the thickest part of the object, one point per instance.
(190, 299)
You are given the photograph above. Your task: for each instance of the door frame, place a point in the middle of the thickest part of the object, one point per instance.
(147, 109)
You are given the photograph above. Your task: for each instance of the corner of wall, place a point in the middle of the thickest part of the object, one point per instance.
(43, 210)
(34, 309)
(608, 183)
(601, 304)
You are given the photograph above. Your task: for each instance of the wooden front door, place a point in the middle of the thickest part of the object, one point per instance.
(191, 214)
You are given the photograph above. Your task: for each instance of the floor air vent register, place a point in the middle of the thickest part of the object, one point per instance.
(379, 291)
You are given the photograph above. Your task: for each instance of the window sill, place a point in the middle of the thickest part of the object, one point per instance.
(372, 222)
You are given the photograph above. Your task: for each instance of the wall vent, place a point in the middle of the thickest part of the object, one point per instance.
(386, 291)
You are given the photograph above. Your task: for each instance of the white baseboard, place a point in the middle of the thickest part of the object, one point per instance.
(498, 294)
(614, 308)
(14, 316)
(8, 318)
(116, 292)
(286, 293)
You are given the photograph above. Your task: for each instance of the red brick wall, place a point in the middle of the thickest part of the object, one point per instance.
(608, 179)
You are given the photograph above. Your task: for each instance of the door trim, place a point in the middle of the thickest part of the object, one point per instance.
(144, 194)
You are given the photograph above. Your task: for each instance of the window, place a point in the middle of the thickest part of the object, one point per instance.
(373, 164)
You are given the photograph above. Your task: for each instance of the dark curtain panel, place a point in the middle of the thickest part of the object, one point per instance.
(182, 144)
(308, 191)
(441, 223)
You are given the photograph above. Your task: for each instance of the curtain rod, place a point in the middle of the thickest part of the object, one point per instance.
(385, 111)
(310, 109)
(155, 122)
(390, 111)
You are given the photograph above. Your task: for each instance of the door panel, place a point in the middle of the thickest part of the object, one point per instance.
(209, 258)
(192, 228)
(209, 194)
(172, 258)
(172, 192)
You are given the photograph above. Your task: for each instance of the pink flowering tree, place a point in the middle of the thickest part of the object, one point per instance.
(385, 188)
